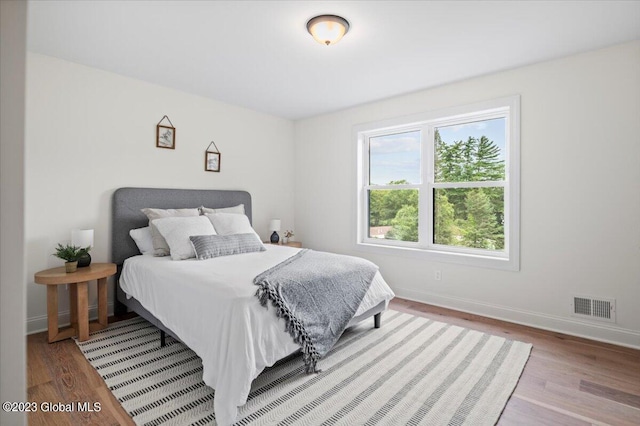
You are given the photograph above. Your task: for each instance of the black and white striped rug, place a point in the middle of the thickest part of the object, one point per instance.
(411, 371)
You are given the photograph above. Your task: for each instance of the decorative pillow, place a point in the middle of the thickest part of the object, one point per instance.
(239, 209)
(142, 238)
(177, 230)
(209, 246)
(160, 247)
(230, 224)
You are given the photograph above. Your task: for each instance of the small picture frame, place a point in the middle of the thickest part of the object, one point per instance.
(165, 137)
(212, 161)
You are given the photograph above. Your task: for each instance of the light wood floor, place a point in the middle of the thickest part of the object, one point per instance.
(567, 380)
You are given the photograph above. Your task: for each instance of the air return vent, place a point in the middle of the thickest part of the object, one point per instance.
(594, 308)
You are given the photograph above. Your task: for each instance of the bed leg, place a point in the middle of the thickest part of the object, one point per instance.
(376, 320)
(119, 308)
(163, 341)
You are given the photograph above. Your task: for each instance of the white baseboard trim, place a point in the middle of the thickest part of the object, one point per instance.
(40, 323)
(574, 327)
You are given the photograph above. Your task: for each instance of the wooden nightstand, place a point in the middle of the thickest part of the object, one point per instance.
(78, 299)
(297, 244)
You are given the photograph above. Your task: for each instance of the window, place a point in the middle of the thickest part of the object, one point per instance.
(444, 185)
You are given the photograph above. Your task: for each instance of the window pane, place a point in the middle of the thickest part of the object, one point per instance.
(394, 159)
(393, 214)
(470, 152)
(469, 217)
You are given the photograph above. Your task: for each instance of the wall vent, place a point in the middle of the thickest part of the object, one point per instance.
(600, 309)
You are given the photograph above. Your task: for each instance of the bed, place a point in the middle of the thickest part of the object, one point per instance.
(210, 305)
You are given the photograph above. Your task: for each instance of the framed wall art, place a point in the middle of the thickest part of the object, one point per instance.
(165, 135)
(212, 159)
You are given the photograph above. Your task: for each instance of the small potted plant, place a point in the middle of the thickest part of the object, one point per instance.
(70, 255)
(287, 236)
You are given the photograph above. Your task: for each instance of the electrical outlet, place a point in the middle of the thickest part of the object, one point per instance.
(438, 275)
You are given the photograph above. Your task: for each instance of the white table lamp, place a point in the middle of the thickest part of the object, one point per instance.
(82, 237)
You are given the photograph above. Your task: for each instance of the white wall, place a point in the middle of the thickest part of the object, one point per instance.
(89, 132)
(580, 193)
(13, 372)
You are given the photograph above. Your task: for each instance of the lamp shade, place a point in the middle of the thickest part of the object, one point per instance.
(327, 29)
(82, 238)
(274, 225)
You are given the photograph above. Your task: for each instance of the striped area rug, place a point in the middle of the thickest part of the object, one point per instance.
(411, 371)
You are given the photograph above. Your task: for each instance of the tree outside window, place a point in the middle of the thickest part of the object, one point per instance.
(445, 184)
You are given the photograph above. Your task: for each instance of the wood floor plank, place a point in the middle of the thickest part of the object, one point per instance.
(46, 393)
(593, 406)
(572, 400)
(37, 370)
(521, 412)
(616, 395)
(568, 374)
(602, 364)
(568, 380)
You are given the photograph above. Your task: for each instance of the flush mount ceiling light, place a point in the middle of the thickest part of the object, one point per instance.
(327, 29)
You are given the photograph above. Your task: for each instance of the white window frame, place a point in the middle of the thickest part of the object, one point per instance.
(509, 258)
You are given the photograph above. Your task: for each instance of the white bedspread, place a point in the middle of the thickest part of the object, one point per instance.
(212, 307)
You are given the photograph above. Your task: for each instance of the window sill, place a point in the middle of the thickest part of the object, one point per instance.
(481, 261)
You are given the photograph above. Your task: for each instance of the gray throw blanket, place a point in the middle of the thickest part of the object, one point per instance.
(317, 294)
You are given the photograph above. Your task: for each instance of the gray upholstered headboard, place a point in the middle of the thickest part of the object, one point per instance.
(127, 203)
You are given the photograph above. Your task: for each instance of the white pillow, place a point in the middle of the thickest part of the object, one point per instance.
(142, 238)
(230, 223)
(239, 209)
(160, 247)
(177, 230)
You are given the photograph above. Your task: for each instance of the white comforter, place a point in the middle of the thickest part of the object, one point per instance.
(212, 307)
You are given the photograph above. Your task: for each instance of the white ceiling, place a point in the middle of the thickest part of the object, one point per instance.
(257, 54)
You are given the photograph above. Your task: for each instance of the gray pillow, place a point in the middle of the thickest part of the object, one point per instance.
(210, 246)
(239, 209)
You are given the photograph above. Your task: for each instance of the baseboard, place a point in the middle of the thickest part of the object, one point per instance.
(574, 327)
(40, 323)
